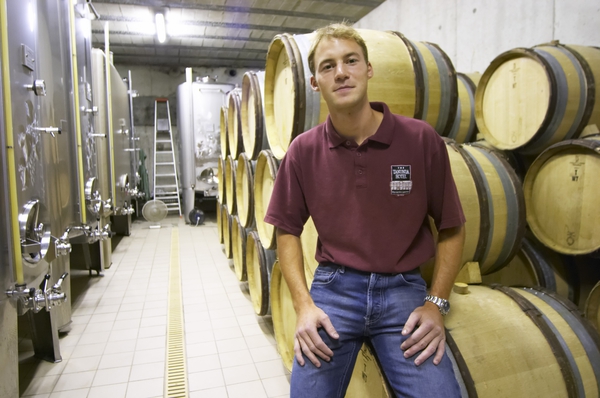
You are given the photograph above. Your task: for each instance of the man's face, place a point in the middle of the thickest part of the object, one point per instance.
(341, 73)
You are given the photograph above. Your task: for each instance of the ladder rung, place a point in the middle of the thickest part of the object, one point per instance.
(166, 185)
(164, 163)
(170, 193)
(169, 141)
(166, 175)
(167, 197)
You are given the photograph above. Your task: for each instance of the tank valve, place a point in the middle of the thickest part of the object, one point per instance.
(62, 245)
(93, 110)
(36, 299)
(38, 87)
(49, 130)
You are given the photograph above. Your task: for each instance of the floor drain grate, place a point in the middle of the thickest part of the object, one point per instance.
(175, 372)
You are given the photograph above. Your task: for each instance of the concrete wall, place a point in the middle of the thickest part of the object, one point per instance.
(155, 82)
(474, 32)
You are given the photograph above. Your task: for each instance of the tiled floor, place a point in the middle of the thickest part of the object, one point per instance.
(116, 347)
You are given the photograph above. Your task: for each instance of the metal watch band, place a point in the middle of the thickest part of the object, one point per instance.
(442, 304)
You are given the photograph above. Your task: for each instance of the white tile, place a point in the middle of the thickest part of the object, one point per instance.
(74, 381)
(85, 364)
(99, 327)
(268, 369)
(219, 392)
(126, 324)
(276, 386)
(200, 349)
(235, 358)
(231, 345)
(112, 391)
(145, 388)
(199, 337)
(107, 309)
(88, 350)
(227, 333)
(116, 360)
(151, 312)
(150, 343)
(102, 318)
(93, 338)
(205, 380)
(43, 368)
(260, 340)
(149, 356)
(262, 354)
(154, 321)
(41, 385)
(147, 371)
(126, 315)
(132, 306)
(153, 331)
(252, 389)
(240, 374)
(70, 394)
(125, 334)
(203, 363)
(119, 347)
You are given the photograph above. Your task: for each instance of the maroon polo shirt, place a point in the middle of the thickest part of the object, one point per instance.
(370, 202)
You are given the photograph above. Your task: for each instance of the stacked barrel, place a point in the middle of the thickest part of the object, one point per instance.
(524, 173)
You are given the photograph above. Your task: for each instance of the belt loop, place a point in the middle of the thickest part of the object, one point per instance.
(342, 269)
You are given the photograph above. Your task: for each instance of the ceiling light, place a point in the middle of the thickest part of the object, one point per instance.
(161, 31)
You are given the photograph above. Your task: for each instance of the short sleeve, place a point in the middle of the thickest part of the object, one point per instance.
(443, 201)
(287, 208)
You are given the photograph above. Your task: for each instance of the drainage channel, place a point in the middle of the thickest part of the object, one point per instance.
(176, 385)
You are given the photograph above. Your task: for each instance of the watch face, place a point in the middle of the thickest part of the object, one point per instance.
(445, 307)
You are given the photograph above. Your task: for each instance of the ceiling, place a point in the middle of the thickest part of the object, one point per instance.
(212, 33)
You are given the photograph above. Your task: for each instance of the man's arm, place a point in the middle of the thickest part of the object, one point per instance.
(309, 316)
(429, 335)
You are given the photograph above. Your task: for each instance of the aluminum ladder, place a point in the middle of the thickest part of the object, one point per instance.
(166, 183)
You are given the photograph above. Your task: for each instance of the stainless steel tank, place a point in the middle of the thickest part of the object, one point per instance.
(198, 111)
(114, 153)
(36, 79)
(9, 358)
(92, 248)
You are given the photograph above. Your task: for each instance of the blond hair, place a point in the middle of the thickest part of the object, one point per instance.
(335, 31)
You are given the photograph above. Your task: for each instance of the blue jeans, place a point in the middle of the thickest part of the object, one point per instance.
(370, 307)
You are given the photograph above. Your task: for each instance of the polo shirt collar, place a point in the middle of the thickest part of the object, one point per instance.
(383, 134)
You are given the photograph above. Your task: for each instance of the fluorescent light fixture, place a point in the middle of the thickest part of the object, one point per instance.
(161, 30)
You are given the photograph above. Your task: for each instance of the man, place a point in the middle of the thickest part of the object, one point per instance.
(369, 179)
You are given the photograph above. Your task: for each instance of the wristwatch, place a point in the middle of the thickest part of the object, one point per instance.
(443, 304)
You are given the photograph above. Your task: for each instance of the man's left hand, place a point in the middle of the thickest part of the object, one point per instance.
(429, 335)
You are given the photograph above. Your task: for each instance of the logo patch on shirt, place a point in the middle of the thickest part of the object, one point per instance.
(401, 183)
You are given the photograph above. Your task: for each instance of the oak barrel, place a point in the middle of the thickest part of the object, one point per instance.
(220, 211)
(536, 265)
(562, 192)
(492, 200)
(222, 180)
(259, 265)
(531, 98)
(244, 190)
(253, 114)
(234, 123)
(227, 242)
(464, 128)
(230, 169)
(238, 248)
(264, 180)
(415, 79)
(522, 342)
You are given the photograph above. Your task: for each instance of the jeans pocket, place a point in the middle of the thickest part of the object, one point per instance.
(325, 274)
(414, 280)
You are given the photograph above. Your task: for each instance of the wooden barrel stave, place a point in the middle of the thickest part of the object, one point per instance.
(227, 220)
(592, 307)
(220, 222)
(224, 133)
(464, 128)
(244, 190)
(222, 181)
(230, 183)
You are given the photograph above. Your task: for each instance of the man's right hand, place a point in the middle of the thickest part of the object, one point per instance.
(307, 339)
